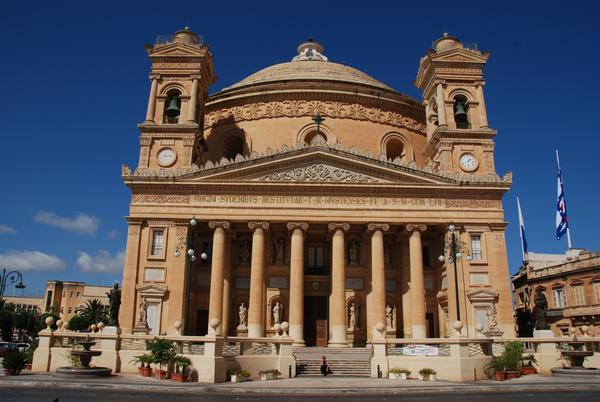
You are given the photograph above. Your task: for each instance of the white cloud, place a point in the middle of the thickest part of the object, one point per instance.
(7, 230)
(113, 234)
(103, 262)
(82, 223)
(30, 261)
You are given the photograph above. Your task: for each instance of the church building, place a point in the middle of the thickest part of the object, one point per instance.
(314, 195)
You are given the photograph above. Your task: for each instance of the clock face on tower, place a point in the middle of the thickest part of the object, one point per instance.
(468, 162)
(166, 157)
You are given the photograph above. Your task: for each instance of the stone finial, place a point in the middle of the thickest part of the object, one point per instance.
(100, 326)
(177, 325)
(585, 330)
(49, 321)
(59, 324)
(93, 327)
(277, 328)
(457, 325)
(214, 325)
(380, 328)
(479, 330)
(284, 327)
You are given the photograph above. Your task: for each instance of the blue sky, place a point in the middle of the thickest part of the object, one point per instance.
(75, 85)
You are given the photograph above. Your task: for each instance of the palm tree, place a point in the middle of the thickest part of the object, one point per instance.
(94, 311)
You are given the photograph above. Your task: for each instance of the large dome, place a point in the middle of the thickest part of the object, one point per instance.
(309, 65)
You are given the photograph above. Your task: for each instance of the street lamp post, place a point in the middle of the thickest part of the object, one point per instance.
(189, 246)
(8, 278)
(456, 249)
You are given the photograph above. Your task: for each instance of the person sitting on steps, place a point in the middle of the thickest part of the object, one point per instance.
(325, 366)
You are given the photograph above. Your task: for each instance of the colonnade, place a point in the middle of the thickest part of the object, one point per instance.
(337, 298)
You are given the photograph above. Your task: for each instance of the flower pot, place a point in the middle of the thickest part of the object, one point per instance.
(500, 375)
(238, 378)
(147, 371)
(179, 377)
(397, 376)
(527, 370)
(513, 374)
(160, 374)
(141, 370)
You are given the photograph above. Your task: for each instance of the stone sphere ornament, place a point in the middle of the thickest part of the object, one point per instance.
(93, 327)
(584, 330)
(49, 321)
(277, 328)
(65, 326)
(214, 324)
(457, 325)
(380, 328)
(479, 329)
(100, 325)
(572, 330)
(177, 325)
(285, 326)
(59, 324)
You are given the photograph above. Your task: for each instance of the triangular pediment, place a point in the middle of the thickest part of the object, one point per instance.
(483, 295)
(177, 49)
(461, 56)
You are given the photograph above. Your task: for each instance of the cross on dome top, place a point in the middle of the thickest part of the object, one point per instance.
(310, 50)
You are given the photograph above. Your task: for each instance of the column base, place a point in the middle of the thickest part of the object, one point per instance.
(297, 333)
(338, 337)
(255, 331)
(419, 331)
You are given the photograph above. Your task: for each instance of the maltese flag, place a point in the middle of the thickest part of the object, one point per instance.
(562, 221)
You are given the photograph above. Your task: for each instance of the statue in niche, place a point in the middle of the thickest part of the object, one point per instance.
(540, 310)
(492, 320)
(244, 253)
(277, 313)
(143, 318)
(279, 251)
(114, 299)
(243, 314)
(353, 250)
(353, 316)
(388, 317)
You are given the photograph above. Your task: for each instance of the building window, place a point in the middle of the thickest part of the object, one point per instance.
(70, 310)
(579, 296)
(70, 294)
(78, 294)
(394, 148)
(597, 291)
(560, 300)
(234, 146)
(315, 260)
(476, 253)
(308, 139)
(158, 242)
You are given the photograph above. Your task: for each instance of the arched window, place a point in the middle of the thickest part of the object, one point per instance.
(394, 148)
(234, 146)
(461, 109)
(172, 107)
(308, 138)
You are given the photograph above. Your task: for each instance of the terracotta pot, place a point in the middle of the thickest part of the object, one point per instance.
(513, 374)
(141, 370)
(147, 371)
(160, 374)
(28, 367)
(527, 370)
(500, 375)
(179, 377)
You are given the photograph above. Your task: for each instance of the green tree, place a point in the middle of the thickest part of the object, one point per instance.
(79, 322)
(94, 311)
(6, 324)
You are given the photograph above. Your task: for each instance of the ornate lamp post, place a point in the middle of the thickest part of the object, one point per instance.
(455, 249)
(189, 246)
(8, 278)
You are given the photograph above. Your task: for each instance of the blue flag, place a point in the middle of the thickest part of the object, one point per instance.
(562, 221)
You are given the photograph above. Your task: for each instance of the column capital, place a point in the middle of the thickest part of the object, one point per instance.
(195, 76)
(154, 76)
(297, 225)
(332, 226)
(258, 224)
(372, 227)
(416, 226)
(219, 224)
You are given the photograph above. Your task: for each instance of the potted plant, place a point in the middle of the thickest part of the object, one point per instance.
(239, 375)
(162, 352)
(269, 374)
(512, 356)
(427, 374)
(144, 362)
(398, 373)
(14, 362)
(527, 365)
(496, 368)
(181, 364)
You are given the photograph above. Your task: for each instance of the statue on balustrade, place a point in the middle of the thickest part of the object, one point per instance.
(114, 298)
(277, 313)
(389, 311)
(243, 314)
(540, 310)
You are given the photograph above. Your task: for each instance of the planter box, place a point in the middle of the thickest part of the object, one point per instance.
(397, 376)
(430, 377)
(268, 376)
(238, 378)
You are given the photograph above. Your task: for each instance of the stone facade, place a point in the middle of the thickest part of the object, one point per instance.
(313, 194)
(571, 284)
(66, 297)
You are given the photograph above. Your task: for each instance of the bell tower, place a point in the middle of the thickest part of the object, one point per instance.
(458, 137)
(182, 70)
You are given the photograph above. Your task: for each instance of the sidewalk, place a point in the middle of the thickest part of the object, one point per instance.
(305, 385)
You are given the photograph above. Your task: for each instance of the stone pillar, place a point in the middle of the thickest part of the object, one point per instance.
(405, 288)
(257, 278)
(227, 288)
(337, 299)
(130, 277)
(483, 122)
(215, 305)
(193, 100)
(152, 99)
(296, 305)
(441, 105)
(417, 282)
(378, 274)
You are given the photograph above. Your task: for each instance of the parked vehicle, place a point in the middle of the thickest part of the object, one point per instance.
(6, 347)
(22, 346)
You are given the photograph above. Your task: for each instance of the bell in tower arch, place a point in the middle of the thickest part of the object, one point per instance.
(460, 113)
(174, 108)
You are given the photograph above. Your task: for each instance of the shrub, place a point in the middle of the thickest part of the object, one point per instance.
(426, 372)
(397, 370)
(239, 373)
(14, 361)
(513, 355)
(272, 371)
(162, 352)
(183, 362)
(79, 323)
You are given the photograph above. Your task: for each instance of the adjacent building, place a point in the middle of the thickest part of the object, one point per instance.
(571, 284)
(65, 297)
(24, 303)
(312, 193)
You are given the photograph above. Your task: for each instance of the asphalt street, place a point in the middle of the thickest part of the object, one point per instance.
(66, 395)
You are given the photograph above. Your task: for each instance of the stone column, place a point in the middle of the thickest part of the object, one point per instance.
(215, 305)
(257, 278)
(227, 288)
(378, 274)
(152, 99)
(193, 100)
(296, 305)
(130, 277)
(337, 300)
(441, 105)
(483, 122)
(417, 282)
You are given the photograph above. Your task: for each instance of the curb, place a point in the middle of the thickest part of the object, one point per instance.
(194, 389)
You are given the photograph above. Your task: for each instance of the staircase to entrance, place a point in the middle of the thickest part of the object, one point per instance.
(343, 362)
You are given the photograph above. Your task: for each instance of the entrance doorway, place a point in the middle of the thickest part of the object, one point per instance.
(201, 322)
(315, 320)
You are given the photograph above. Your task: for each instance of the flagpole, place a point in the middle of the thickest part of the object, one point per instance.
(568, 228)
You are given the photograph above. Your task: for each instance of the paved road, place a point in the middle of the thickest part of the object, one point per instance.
(65, 395)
